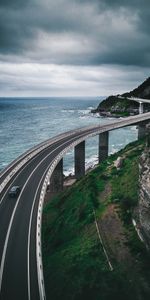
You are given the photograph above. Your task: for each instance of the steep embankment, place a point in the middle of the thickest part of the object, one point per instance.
(90, 247)
(113, 106)
(144, 199)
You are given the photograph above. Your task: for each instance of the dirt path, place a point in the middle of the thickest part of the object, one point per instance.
(115, 241)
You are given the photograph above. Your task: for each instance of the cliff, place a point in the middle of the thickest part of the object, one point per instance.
(90, 247)
(142, 91)
(144, 195)
(115, 107)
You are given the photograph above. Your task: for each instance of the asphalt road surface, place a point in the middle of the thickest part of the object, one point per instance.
(18, 216)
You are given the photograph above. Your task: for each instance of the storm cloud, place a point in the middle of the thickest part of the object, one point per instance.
(76, 33)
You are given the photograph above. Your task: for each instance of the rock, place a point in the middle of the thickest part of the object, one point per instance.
(144, 195)
(118, 163)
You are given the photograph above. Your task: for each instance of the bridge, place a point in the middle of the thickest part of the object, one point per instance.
(21, 272)
(141, 102)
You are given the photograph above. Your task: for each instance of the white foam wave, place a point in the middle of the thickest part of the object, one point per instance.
(68, 172)
(89, 163)
(68, 110)
(91, 107)
(40, 108)
(97, 115)
(83, 111)
(84, 117)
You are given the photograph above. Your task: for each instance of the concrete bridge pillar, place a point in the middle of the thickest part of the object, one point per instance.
(141, 109)
(103, 145)
(141, 130)
(80, 160)
(56, 181)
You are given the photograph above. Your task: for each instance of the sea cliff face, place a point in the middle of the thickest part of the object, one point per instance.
(144, 195)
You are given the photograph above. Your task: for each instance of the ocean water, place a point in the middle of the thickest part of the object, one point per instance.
(25, 122)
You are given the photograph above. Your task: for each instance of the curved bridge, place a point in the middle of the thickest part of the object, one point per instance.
(141, 102)
(21, 274)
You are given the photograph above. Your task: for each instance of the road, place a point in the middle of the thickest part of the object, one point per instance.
(139, 100)
(18, 217)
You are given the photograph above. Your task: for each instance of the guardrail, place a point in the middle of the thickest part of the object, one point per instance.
(43, 193)
(32, 153)
(95, 131)
(45, 144)
(125, 122)
(40, 210)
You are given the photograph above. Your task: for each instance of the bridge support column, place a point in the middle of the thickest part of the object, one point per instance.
(141, 130)
(103, 145)
(56, 182)
(141, 109)
(80, 160)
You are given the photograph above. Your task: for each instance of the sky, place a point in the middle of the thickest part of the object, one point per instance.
(73, 47)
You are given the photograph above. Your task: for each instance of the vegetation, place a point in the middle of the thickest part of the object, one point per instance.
(142, 91)
(113, 103)
(75, 265)
(124, 107)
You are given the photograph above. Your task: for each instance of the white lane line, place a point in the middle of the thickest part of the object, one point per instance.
(96, 131)
(29, 233)
(28, 156)
(121, 123)
(30, 223)
(46, 143)
(40, 147)
(30, 161)
(11, 221)
(40, 206)
(9, 229)
(14, 211)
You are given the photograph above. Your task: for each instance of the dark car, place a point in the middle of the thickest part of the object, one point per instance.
(14, 191)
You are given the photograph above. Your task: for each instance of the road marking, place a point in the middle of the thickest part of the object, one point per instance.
(11, 221)
(46, 144)
(15, 208)
(95, 131)
(40, 147)
(30, 161)
(126, 122)
(30, 223)
(29, 232)
(9, 229)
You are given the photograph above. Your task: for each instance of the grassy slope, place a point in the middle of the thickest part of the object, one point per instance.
(74, 262)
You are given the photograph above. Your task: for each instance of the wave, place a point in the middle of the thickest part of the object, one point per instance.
(89, 164)
(68, 172)
(83, 111)
(38, 108)
(91, 107)
(68, 110)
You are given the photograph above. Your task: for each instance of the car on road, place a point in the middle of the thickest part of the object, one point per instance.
(14, 191)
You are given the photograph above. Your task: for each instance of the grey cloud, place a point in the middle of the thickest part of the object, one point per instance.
(92, 32)
(13, 3)
(39, 80)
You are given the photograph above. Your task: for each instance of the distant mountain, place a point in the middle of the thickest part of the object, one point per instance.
(142, 91)
(115, 107)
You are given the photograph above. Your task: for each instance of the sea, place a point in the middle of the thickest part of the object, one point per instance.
(25, 122)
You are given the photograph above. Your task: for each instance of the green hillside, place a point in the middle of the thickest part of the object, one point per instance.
(113, 106)
(142, 91)
(75, 263)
